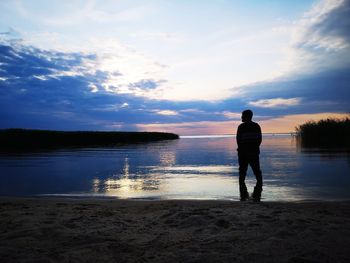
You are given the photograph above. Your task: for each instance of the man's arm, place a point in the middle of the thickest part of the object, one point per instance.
(238, 136)
(259, 135)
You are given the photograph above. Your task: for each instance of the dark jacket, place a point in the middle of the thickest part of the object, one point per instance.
(248, 138)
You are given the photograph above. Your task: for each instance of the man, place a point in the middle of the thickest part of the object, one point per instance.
(248, 140)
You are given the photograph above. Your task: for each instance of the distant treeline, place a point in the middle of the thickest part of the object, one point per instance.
(325, 133)
(23, 139)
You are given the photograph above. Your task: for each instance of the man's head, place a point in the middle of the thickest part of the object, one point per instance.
(247, 115)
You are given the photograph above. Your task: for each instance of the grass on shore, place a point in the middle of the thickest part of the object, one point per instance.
(325, 133)
(25, 139)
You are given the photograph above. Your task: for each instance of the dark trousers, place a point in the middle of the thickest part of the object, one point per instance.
(253, 161)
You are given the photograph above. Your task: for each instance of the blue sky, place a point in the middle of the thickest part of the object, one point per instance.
(189, 67)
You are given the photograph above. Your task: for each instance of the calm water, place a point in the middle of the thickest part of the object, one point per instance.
(191, 167)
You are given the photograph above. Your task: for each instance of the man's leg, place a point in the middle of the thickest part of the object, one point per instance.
(255, 164)
(243, 166)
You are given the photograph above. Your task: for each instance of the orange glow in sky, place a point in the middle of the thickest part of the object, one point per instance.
(285, 124)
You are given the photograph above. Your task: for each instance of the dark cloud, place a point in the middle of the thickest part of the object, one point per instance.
(26, 62)
(146, 84)
(10, 34)
(335, 23)
(323, 41)
(322, 92)
(36, 93)
(322, 59)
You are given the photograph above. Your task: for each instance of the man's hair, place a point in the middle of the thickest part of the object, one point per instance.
(248, 114)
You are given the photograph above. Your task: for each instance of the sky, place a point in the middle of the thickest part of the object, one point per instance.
(188, 67)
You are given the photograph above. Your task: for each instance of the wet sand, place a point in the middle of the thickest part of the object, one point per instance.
(71, 230)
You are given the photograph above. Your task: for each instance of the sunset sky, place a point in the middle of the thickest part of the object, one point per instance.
(188, 67)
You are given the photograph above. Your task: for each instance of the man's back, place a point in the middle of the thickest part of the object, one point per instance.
(248, 138)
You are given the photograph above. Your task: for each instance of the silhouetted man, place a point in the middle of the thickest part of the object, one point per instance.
(248, 141)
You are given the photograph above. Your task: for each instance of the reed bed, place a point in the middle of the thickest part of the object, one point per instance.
(325, 133)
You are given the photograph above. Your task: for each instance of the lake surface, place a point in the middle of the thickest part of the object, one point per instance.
(197, 167)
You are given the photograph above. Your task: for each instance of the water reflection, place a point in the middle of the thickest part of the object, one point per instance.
(167, 158)
(214, 169)
(124, 185)
(200, 167)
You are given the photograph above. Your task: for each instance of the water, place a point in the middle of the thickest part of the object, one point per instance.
(196, 167)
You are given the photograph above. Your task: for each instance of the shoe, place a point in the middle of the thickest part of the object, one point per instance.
(256, 196)
(244, 197)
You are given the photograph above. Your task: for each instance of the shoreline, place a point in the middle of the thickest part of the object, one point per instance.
(53, 229)
(112, 199)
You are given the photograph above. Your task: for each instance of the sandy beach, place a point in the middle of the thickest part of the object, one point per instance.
(72, 230)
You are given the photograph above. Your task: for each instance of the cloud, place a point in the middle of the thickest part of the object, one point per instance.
(320, 92)
(275, 102)
(62, 90)
(166, 112)
(93, 87)
(52, 82)
(232, 115)
(317, 69)
(124, 69)
(124, 105)
(20, 62)
(128, 71)
(326, 26)
(321, 39)
(11, 33)
(146, 84)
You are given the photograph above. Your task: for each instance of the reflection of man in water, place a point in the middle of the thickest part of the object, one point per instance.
(248, 141)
